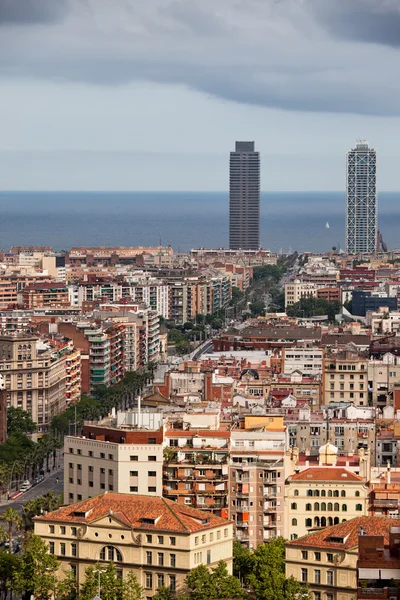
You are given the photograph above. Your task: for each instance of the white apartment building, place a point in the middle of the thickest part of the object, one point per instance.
(383, 322)
(296, 290)
(114, 455)
(310, 361)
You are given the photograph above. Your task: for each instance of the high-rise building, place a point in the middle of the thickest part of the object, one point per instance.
(361, 199)
(244, 197)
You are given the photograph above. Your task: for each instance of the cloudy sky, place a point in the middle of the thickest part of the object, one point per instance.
(152, 94)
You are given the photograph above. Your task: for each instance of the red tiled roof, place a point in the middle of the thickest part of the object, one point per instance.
(132, 509)
(325, 474)
(347, 531)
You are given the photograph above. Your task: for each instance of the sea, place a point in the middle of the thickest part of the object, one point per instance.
(289, 220)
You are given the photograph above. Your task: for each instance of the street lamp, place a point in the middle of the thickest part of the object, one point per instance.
(54, 584)
(99, 571)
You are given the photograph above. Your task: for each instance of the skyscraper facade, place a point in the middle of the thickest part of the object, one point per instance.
(361, 199)
(244, 197)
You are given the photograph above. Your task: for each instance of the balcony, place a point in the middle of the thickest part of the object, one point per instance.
(393, 503)
(375, 593)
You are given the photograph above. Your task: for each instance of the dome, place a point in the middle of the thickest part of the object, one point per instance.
(328, 454)
(328, 448)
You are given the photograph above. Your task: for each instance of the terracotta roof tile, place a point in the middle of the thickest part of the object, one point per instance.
(325, 474)
(348, 531)
(132, 509)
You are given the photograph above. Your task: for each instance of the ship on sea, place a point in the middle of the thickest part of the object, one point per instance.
(327, 225)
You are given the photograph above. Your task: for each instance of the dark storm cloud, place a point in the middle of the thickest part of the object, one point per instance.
(371, 21)
(31, 11)
(300, 55)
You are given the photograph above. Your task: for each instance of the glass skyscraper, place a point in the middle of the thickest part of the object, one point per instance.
(361, 200)
(244, 197)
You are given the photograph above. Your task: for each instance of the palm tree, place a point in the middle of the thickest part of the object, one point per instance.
(13, 518)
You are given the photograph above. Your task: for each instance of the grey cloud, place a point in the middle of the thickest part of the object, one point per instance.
(272, 53)
(371, 21)
(31, 11)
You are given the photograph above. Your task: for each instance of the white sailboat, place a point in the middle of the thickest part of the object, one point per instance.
(327, 225)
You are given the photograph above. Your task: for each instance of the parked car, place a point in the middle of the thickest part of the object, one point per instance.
(25, 486)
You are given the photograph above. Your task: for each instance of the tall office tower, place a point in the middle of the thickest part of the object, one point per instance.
(244, 197)
(361, 204)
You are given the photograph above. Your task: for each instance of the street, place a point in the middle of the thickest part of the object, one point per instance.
(47, 485)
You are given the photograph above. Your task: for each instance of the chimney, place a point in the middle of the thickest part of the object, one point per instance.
(388, 473)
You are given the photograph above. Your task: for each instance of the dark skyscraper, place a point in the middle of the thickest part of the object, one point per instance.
(244, 197)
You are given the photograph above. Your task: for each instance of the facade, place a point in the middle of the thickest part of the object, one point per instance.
(159, 540)
(35, 377)
(42, 295)
(114, 455)
(327, 560)
(244, 197)
(362, 203)
(323, 496)
(256, 483)
(307, 360)
(378, 565)
(346, 378)
(296, 290)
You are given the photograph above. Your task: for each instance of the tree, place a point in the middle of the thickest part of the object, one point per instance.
(237, 295)
(268, 578)
(13, 519)
(217, 583)
(37, 575)
(164, 593)
(257, 308)
(111, 585)
(33, 508)
(66, 588)
(10, 564)
(19, 421)
(131, 588)
(242, 561)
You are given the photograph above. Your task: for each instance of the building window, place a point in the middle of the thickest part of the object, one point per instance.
(329, 557)
(336, 506)
(135, 458)
(152, 473)
(149, 581)
(357, 494)
(358, 507)
(73, 549)
(308, 522)
(317, 556)
(172, 583)
(317, 576)
(51, 528)
(153, 459)
(172, 560)
(304, 575)
(160, 539)
(102, 455)
(304, 554)
(323, 493)
(343, 493)
(73, 530)
(225, 533)
(329, 577)
(336, 494)
(316, 505)
(62, 530)
(160, 560)
(160, 580)
(330, 506)
(51, 547)
(344, 507)
(294, 522)
(308, 507)
(296, 492)
(317, 595)
(149, 558)
(172, 541)
(152, 489)
(133, 488)
(149, 538)
(110, 553)
(196, 541)
(293, 506)
(62, 549)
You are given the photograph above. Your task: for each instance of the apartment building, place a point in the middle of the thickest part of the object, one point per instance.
(296, 290)
(378, 565)
(383, 321)
(324, 495)
(383, 374)
(327, 560)
(256, 481)
(346, 377)
(307, 360)
(196, 469)
(8, 292)
(159, 540)
(122, 454)
(35, 376)
(42, 295)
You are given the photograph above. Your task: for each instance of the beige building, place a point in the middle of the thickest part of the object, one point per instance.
(327, 560)
(161, 541)
(382, 376)
(326, 495)
(35, 376)
(346, 378)
(115, 455)
(296, 290)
